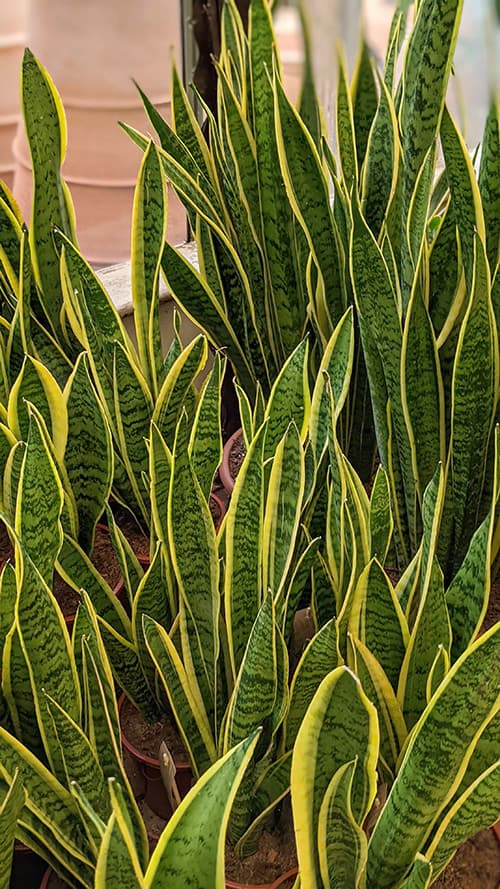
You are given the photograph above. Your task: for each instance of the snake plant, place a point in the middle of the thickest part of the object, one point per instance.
(253, 293)
(30, 281)
(446, 787)
(420, 257)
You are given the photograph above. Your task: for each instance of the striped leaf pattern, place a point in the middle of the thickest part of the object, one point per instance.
(52, 207)
(184, 696)
(342, 843)
(434, 761)
(376, 618)
(243, 551)
(39, 503)
(194, 559)
(190, 850)
(149, 224)
(340, 725)
(88, 458)
(10, 809)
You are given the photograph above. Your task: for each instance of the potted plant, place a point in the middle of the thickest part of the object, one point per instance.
(445, 790)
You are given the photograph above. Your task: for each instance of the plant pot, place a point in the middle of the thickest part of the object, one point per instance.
(218, 509)
(287, 878)
(155, 794)
(232, 457)
(27, 867)
(92, 51)
(48, 883)
(12, 40)
(117, 586)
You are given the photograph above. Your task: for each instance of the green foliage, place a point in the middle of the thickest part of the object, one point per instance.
(443, 793)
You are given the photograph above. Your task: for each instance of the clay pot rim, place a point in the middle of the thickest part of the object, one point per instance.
(222, 506)
(224, 473)
(46, 877)
(118, 588)
(289, 875)
(143, 758)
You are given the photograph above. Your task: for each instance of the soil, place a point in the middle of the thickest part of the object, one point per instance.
(6, 548)
(147, 737)
(492, 615)
(129, 527)
(276, 855)
(104, 559)
(56, 882)
(476, 865)
(237, 455)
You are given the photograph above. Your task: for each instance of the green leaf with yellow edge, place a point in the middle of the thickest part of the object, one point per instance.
(422, 391)
(307, 190)
(420, 875)
(77, 570)
(334, 372)
(346, 135)
(184, 695)
(243, 550)
(149, 225)
(427, 66)
(51, 804)
(289, 400)
(381, 521)
(365, 99)
(319, 658)
(133, 410)
(465, 195)
(89, 452)
(190, 852)
(39, 503)
(254, 695)
(150, 599)
(392, 726)
(380, 170)
(283, 510)
(489, 187)
(287, 320)
(52, 206)
(10, 809)
(475, 810)
(205, 443)
(342, 843)
(474, 402)
(434, 761)
(193, 551)
(173, 398)
(117, 859)
(199, 301)
(340, 725)
(36, 385)
(376, 618)
(431, 630)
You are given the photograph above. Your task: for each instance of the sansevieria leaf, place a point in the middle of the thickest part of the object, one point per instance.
(434, 761)
(10, 810)
(190, 852)
(340, 724)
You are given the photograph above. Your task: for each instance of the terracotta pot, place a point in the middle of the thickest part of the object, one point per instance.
(280, 881)
(118, 589)
(496, 831)
(12, 40)
(154, 793)
(221, 506)
(92, 52)
(46, 880)
(225, 467)
(27, 867)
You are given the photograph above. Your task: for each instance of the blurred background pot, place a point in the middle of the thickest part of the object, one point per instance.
(92, 51)
(12, 40)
